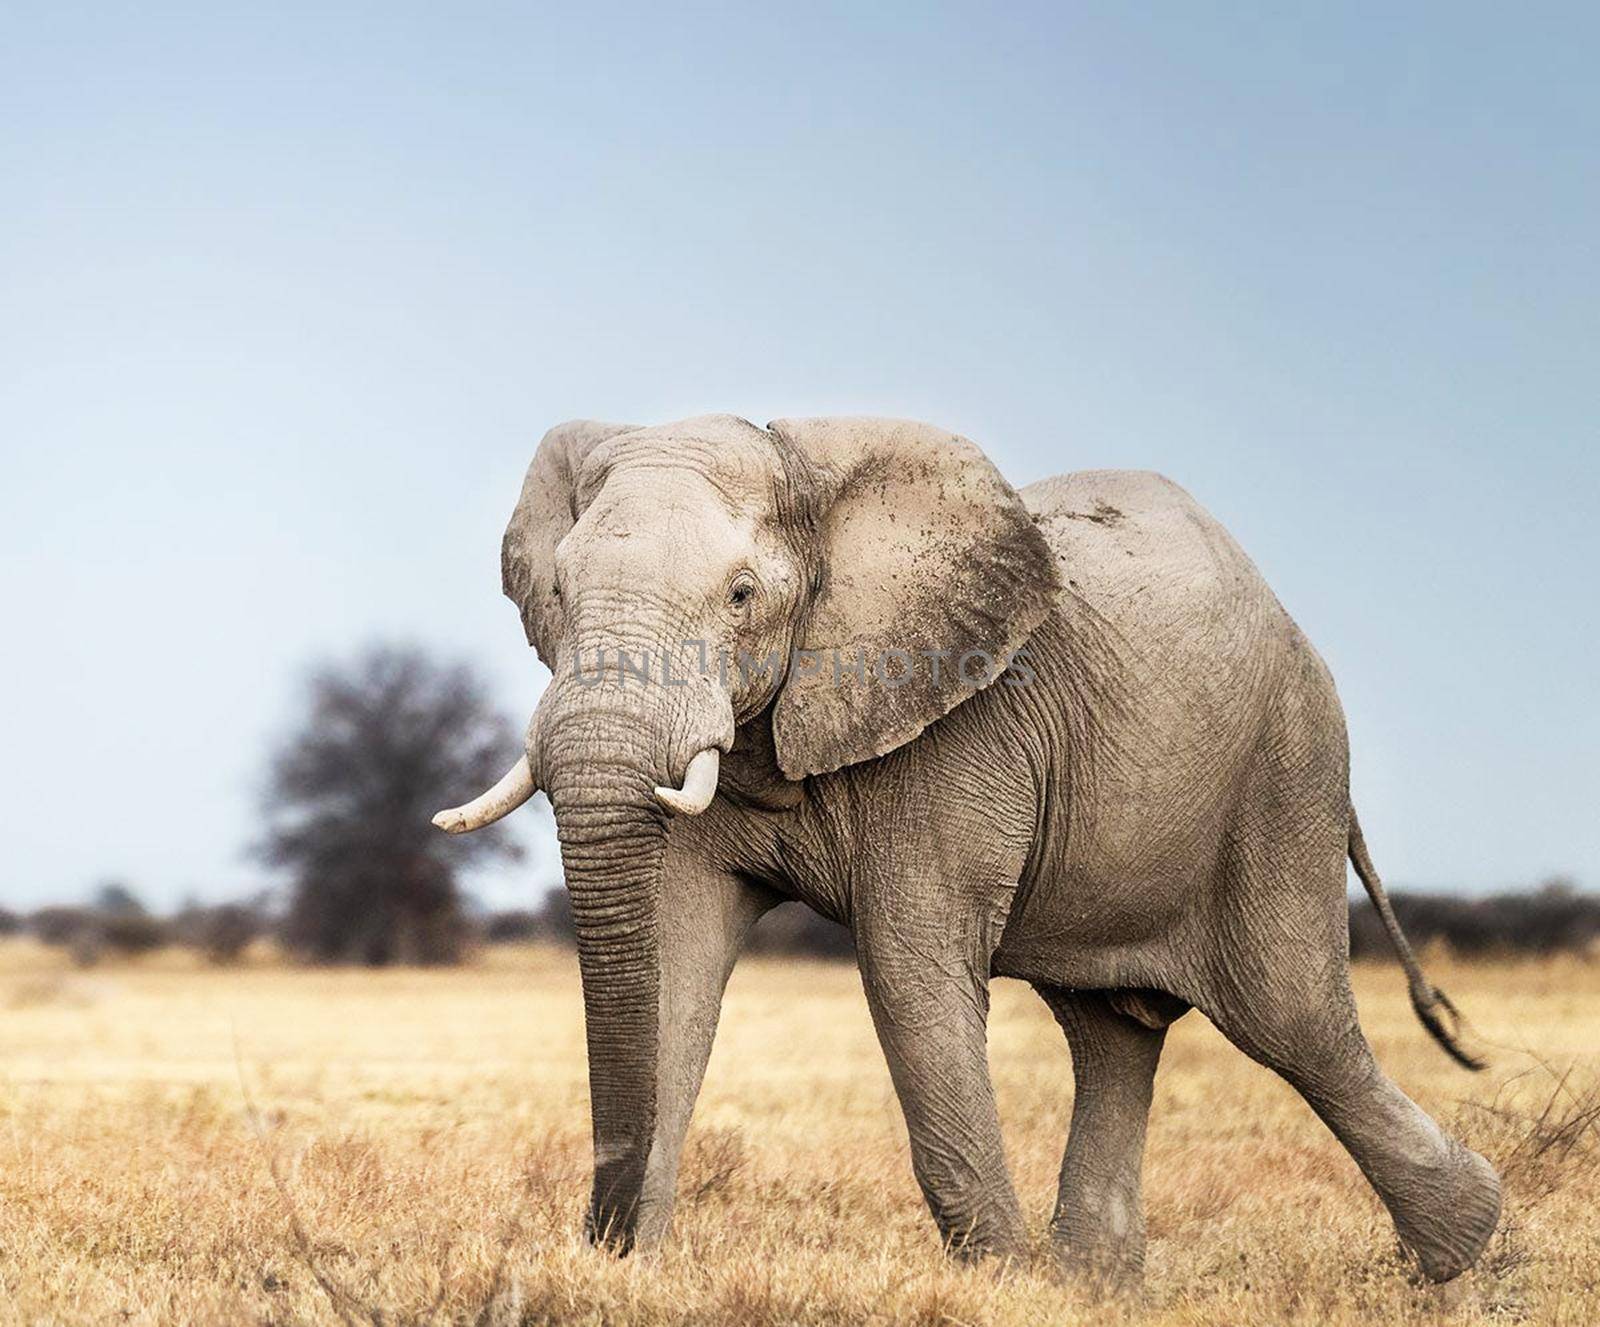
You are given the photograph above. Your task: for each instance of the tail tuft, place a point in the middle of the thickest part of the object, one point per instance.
(1433, 1007)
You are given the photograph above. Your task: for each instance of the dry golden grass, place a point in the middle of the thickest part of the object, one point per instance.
(430, 1132)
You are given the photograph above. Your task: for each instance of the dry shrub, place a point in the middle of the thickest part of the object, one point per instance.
(1545, 1140)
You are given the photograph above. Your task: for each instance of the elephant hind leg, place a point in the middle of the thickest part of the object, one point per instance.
(1116, 1039)
(1282, 996)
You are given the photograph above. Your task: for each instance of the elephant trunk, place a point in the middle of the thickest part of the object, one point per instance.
(608, 756)
(613, 856)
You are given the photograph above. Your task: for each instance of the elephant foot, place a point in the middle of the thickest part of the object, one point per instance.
(970, 1250)
(1103, 1272)
(998, 1235)
(1106, 1256)
(1448, 1223)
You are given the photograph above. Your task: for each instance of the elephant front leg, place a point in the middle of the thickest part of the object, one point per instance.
(931, 1019)
(706, 916)
(1098, 1226)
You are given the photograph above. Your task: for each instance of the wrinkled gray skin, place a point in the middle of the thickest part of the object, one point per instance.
(1159, 820)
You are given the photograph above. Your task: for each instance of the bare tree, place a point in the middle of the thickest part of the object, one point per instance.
(385, 743)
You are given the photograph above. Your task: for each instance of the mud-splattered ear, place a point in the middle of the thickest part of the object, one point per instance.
(933, 573)
(547, 509)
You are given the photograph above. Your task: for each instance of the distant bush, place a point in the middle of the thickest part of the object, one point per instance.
(516, 926)
(59, 925)
(223, 931)
(91, 933)
(131, 933)
(550, 923)
(794, 929)
(1554, 919)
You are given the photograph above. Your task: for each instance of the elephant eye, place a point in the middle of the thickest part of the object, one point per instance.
(742, 591)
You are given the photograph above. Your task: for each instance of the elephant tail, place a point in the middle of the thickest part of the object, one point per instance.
(1433, 1006)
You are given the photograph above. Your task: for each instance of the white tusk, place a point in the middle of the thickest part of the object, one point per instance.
(501, 800)
(699, 785)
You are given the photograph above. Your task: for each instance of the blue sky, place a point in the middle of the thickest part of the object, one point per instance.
(289, 293)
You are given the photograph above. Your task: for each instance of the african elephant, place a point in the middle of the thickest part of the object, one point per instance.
(1066, 735)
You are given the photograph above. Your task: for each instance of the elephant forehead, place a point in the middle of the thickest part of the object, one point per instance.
(733, 454)
(661, 520)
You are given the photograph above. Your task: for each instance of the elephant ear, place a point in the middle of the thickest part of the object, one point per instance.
(931, 566)
(548, 508)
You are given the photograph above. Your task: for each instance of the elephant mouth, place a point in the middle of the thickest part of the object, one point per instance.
(517, 785)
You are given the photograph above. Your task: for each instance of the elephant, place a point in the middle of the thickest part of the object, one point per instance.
(1064, 734)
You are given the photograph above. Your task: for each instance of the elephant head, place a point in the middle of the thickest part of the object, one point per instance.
(832, 579)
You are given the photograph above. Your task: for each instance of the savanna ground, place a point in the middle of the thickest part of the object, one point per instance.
(269, 1145)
